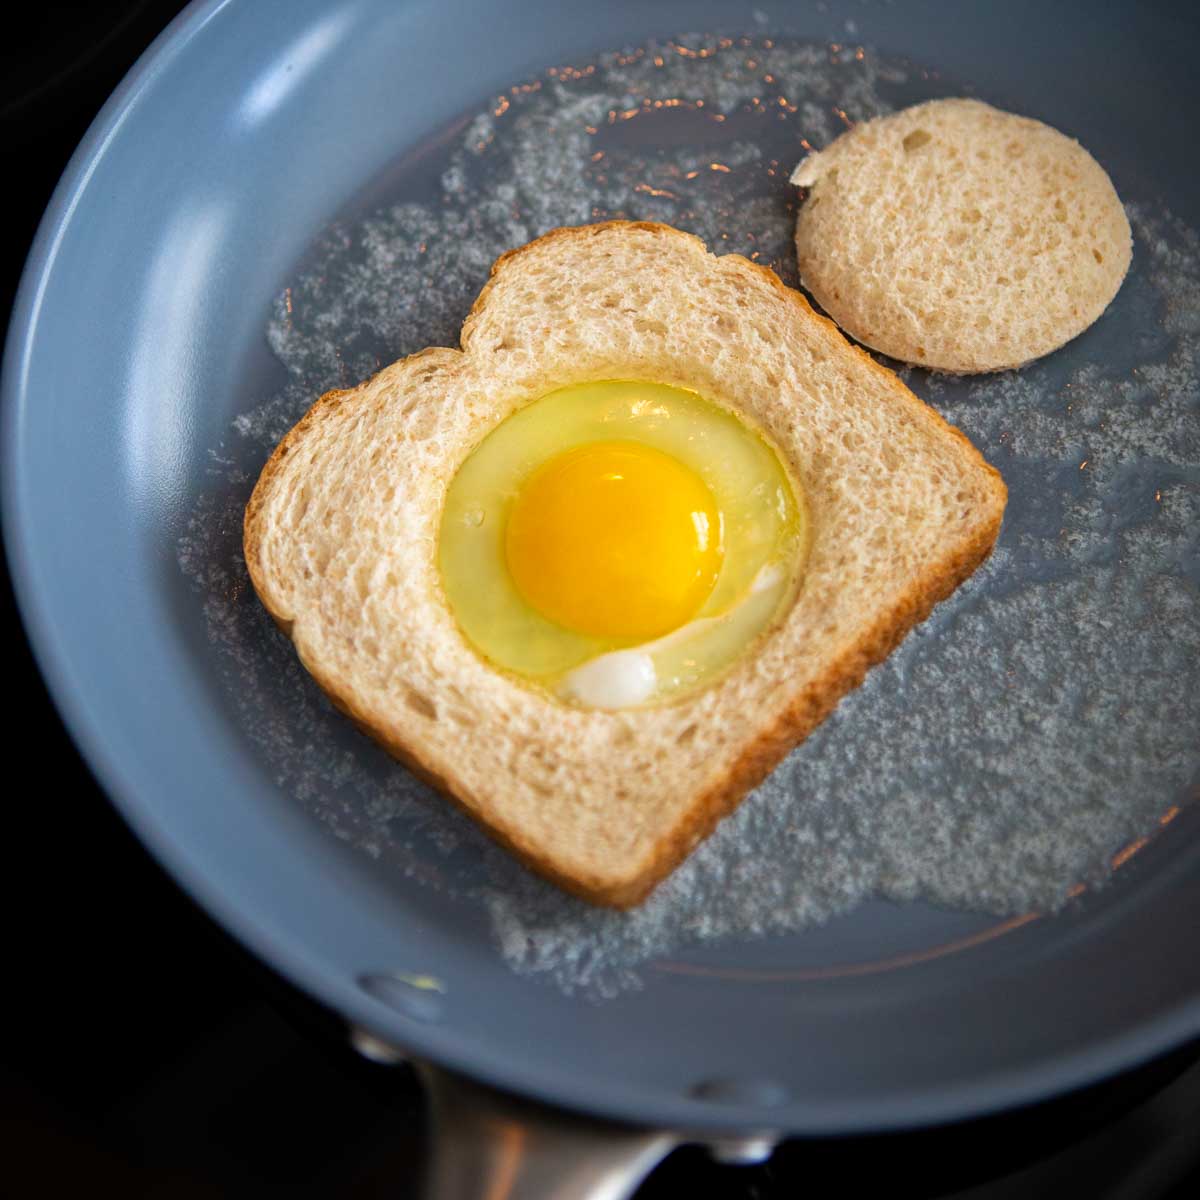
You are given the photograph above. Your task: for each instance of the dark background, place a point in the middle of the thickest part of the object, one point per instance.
(145, 1055)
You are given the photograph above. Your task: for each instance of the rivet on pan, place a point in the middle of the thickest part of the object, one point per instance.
(416, 996)
(765, 1093)
(373, 1048)
(760, 1093)
(743, 1151)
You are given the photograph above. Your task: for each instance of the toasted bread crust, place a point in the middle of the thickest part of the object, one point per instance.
(787, 725)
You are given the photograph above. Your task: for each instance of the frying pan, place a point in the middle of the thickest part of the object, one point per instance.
(136, 340)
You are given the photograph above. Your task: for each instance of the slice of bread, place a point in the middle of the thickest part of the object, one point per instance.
(341, 544)
(959, 237)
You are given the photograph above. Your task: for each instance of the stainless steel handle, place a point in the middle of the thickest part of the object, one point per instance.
(486, 1145)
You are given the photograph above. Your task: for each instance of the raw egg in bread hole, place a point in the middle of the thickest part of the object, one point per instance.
(621, 543)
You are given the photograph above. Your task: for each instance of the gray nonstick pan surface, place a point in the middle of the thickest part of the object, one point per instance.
(977, 887)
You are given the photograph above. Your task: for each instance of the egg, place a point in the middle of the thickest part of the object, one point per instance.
(620, 543)
(614, 539)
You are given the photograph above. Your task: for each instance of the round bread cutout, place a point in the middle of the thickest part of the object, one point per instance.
(960, 238)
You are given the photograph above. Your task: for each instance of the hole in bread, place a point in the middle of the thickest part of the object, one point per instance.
(319, 557)
(645, 325)
(685, 735)
(420, 703)
(1097, 255)
(422, 424)
(362, 582)
(916, 139)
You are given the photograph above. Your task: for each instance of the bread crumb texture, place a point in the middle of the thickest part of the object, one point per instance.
(958, 237)
(341, 536)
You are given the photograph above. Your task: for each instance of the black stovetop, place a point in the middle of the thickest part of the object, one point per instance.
(146, 1055)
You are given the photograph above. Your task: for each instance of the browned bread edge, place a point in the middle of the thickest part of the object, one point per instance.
(761, 754)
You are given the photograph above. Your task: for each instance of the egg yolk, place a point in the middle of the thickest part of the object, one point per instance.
(614, 539)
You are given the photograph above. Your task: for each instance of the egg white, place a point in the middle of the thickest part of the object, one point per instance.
(765, 533)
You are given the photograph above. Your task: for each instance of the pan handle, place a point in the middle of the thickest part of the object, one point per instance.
(486, 1145)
